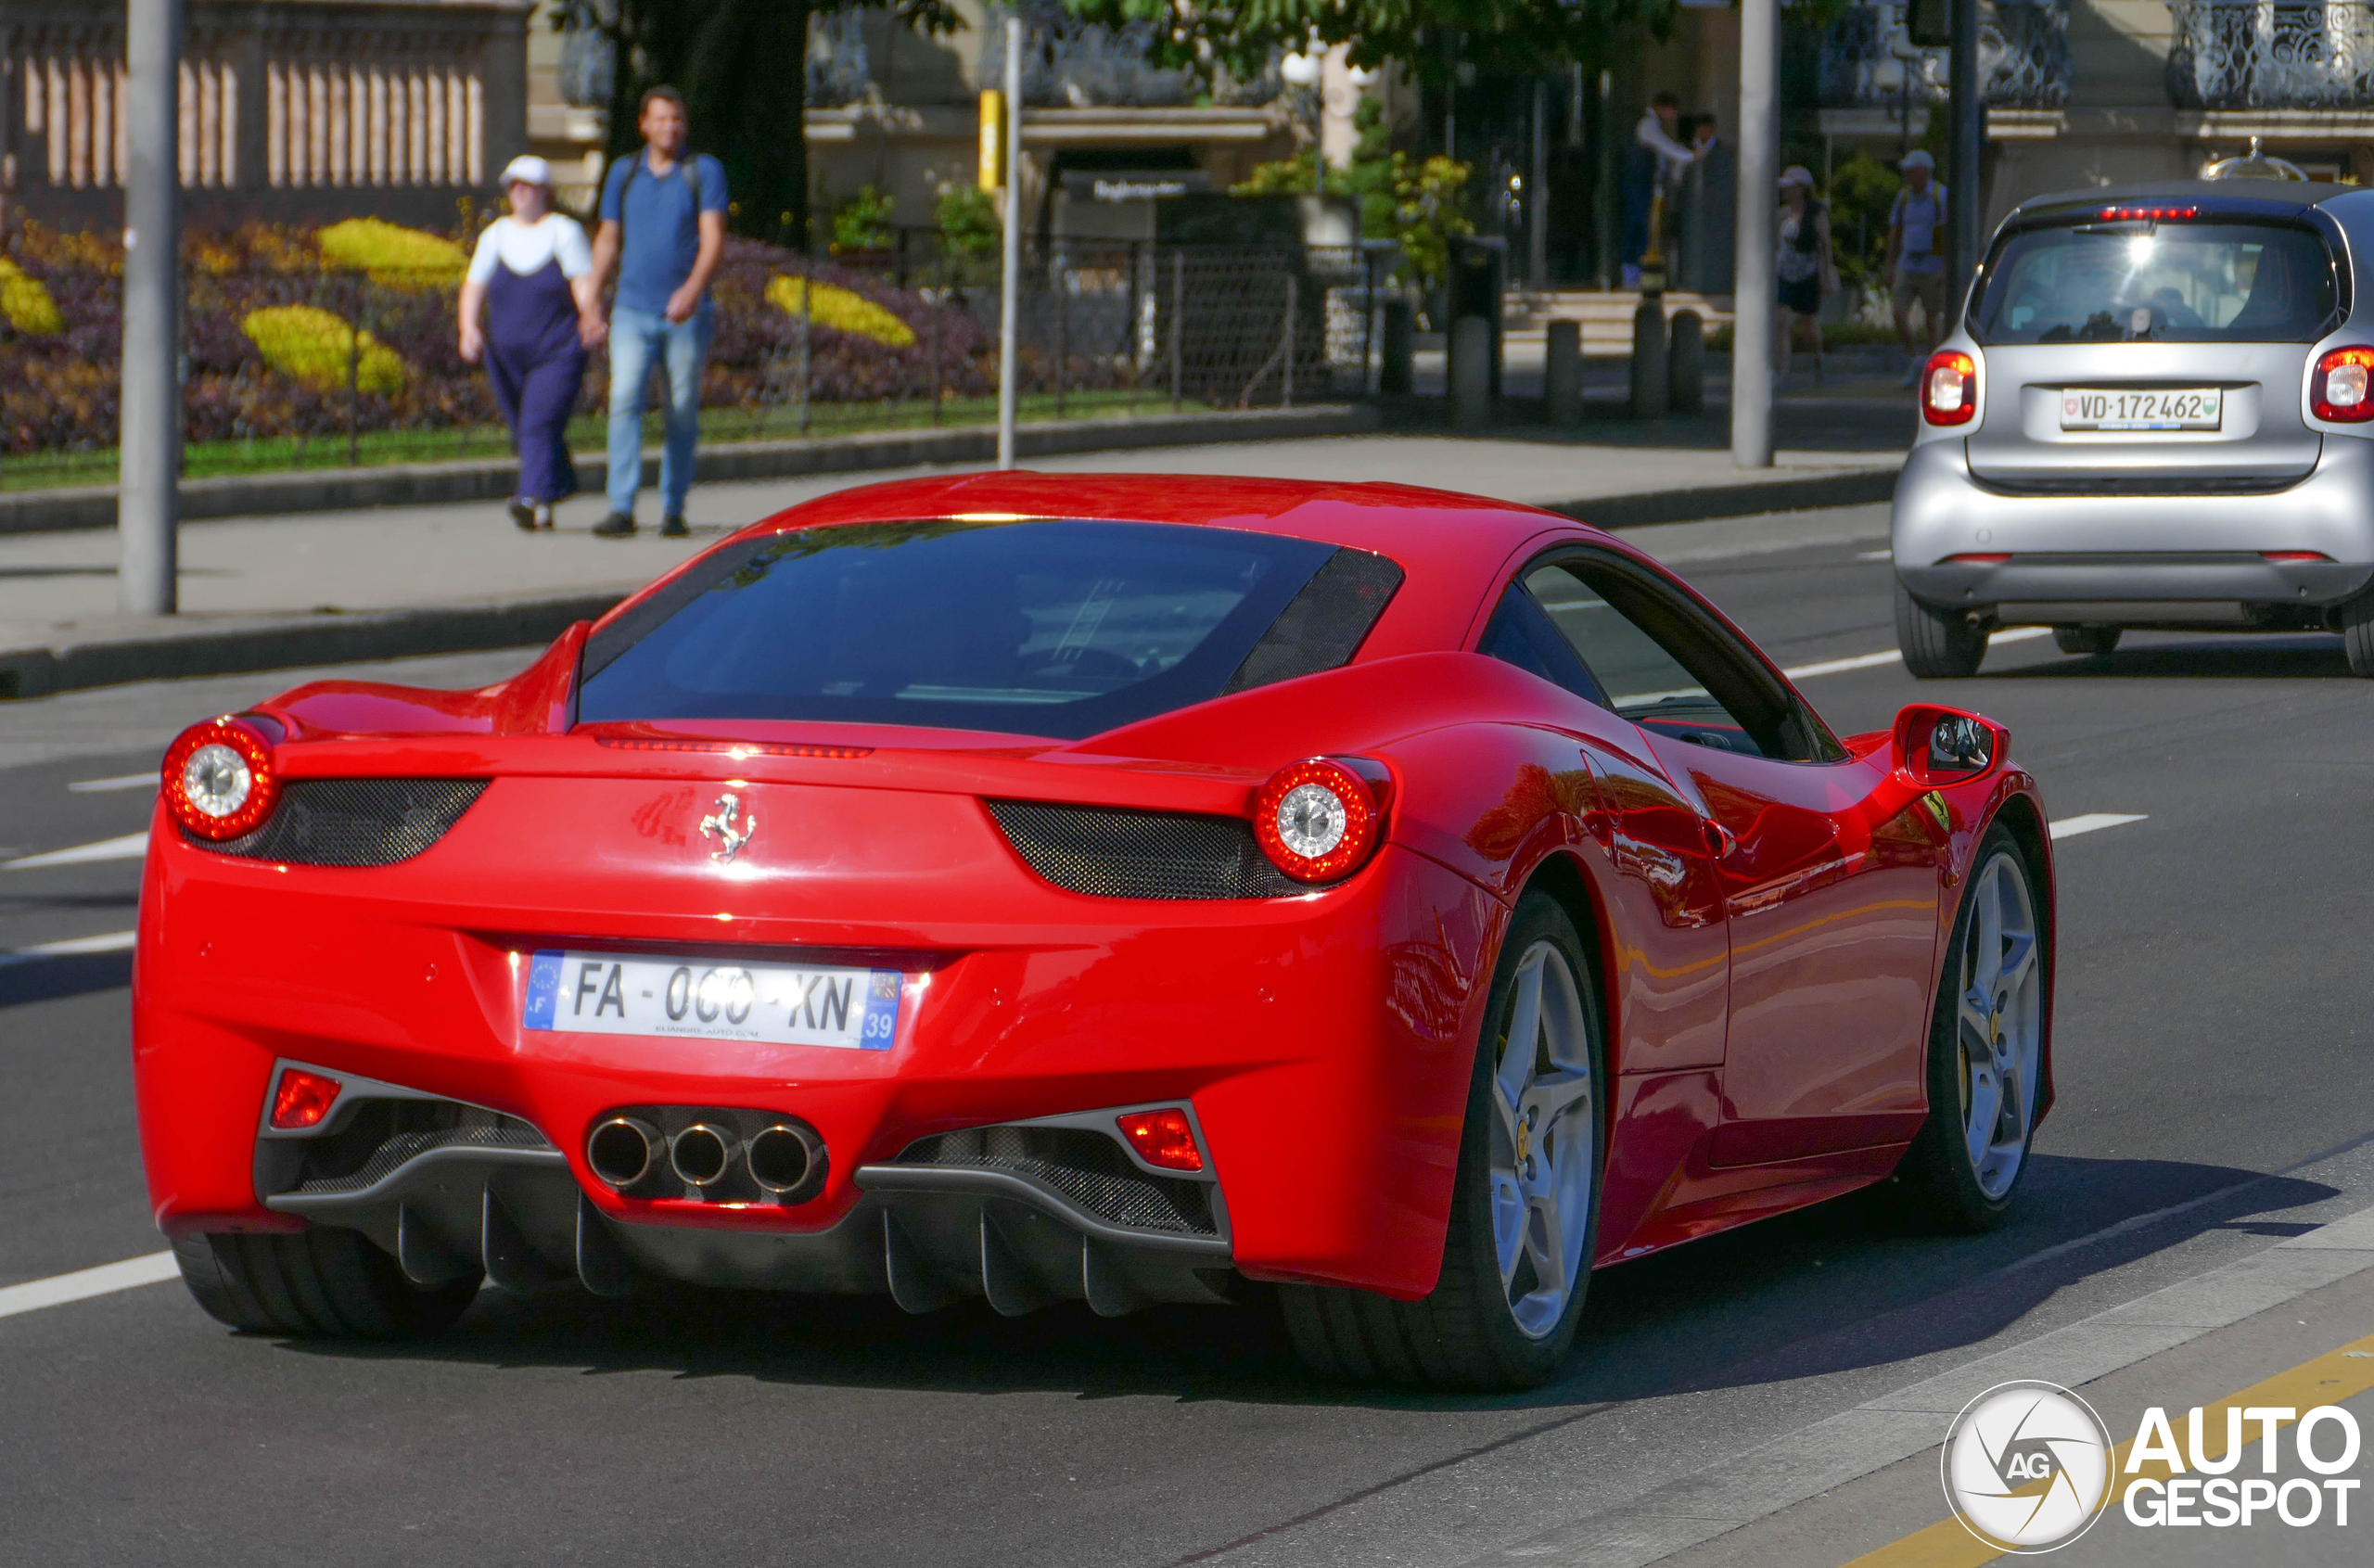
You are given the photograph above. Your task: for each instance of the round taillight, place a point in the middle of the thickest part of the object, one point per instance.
(219, 779)
(1316, 820)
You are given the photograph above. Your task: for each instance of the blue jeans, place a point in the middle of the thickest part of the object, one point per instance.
(637, 337)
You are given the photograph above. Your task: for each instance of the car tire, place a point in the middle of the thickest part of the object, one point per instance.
(2091, 640)
(2000, 957)
(321, 1283)
(1937, 645)
(1489, 1324)
(2358, 635)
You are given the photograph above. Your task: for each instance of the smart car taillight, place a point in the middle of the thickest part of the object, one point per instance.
(1162, 1137)
(2342, 388)
(1950, 388)
(302, 1099)
(219, 779)
(1316, 820)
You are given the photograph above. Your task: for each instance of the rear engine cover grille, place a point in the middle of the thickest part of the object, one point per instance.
(384, 1134)
(353, 821)
(1085, 1166)
(1115, 853)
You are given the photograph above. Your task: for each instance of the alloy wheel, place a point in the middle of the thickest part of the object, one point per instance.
(1545, 1142)
(1998, 1022)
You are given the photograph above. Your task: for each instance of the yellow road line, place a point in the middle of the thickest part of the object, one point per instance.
(2337, 1375)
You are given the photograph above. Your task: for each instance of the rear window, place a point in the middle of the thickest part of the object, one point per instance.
(2159, 282)
(1057, 628)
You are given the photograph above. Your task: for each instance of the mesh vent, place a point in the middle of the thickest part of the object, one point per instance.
(353, 821)
(1122, 854)
(384, 1134)
(1085, 1166)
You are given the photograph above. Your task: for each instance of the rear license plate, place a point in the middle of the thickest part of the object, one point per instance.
(2191, 408)
(771, 1004)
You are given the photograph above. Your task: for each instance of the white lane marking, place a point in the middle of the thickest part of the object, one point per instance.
(2070, 827)
(1872, 661)
(112, 942)
(1875, 555)
(85, 1283)
(121, 780)
(131, 846)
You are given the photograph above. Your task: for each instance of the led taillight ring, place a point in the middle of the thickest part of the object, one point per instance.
(1316, 820)
(220, 780)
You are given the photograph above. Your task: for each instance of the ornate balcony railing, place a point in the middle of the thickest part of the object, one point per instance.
(2023, 52)
(2271, 54)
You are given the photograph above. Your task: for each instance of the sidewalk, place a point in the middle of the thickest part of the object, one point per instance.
(325, 586)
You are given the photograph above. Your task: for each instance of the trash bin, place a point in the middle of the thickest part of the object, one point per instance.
(1479, 277)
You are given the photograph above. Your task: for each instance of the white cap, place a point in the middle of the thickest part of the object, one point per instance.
(1918, 159)
(1797, 174)
(527, 170)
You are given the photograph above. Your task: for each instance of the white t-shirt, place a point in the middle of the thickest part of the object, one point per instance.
(525, 248)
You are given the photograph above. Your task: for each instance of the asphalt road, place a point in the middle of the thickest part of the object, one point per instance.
(2211, 1032)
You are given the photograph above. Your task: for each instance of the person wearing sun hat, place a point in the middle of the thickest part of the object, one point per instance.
(532, 278)
(1915, 266)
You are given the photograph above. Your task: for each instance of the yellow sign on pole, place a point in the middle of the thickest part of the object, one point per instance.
(993, 140)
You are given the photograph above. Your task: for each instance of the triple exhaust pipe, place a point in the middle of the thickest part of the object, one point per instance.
(785, 1160)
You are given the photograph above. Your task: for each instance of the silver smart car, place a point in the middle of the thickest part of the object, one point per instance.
(2158, 412)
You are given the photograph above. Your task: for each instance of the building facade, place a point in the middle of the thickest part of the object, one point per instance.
(291, 111)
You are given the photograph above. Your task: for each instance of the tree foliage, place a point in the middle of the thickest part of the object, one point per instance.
(742, 66)
(1427, 36)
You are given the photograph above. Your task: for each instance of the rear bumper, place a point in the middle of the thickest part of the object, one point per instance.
(2133, 558)
(1322, 1042)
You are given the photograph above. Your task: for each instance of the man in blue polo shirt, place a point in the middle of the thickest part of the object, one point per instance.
(663, 227)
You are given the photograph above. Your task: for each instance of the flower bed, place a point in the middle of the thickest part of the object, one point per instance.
(309, 333)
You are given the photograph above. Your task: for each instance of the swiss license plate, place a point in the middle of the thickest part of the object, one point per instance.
(773, 1003)
(2189, 408)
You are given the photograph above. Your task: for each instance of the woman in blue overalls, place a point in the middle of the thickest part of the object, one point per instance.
(534, 276)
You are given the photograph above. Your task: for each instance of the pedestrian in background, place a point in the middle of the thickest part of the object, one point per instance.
(532, 277)
(1656, 160)
(1915, 264)
(663, 229)
(1803, 264)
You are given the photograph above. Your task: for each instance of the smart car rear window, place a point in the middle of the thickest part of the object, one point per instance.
(2139, 282)
(1063, 629)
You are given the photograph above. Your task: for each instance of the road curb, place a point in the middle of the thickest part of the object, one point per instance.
(428, 484)
(153, 650)
(232, 645)
(1795, 493)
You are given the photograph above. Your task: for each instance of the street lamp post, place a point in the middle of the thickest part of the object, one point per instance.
(1752, 288)
(149, 442)
(1010, 283)
(1968, 131)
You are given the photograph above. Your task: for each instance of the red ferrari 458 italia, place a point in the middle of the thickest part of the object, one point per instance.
(1108, 889)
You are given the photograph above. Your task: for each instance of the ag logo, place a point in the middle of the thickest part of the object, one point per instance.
(2027, 1467)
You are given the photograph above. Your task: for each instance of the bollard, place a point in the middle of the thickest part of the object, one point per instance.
(1686, 363)
(1470, 378)
(1396, 373)
(1562, 381)
(1648, 360)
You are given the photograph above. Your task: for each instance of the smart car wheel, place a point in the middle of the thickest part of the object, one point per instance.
(2358, 634)
(2093, 640)
(1525, 1204)
(1985, 1047)
(1937, 644)
(324, 1282)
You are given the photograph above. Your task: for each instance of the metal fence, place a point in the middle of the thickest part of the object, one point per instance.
(291, 365)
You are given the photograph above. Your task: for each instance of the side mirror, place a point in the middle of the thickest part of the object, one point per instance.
(1936, 745)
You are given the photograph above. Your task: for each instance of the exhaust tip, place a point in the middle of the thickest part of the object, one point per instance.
(701, 1155)
(622, 1151)
(786, 1161)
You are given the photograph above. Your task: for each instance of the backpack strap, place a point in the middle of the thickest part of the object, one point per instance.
(690, 163)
